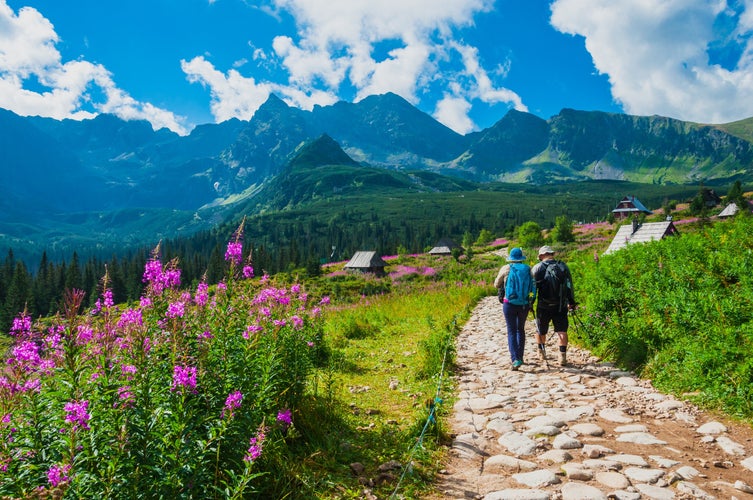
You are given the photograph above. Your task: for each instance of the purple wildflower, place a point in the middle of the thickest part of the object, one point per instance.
(248, 272)
(202, 294)
(176, 310)
(285, 417)
(57, 474)
(255, 447)
(232, 403)
(234, 252)
(297, 322)
(77, 415)
(21, 326)
(184, 376)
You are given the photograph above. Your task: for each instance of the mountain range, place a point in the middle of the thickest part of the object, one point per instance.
(93, 182)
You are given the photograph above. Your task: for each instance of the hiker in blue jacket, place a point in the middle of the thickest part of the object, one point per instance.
(555, 299)
(517, 292)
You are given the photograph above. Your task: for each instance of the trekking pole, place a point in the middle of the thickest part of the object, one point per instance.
(582, 331)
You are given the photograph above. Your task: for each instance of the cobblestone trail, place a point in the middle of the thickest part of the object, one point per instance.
(585, 431)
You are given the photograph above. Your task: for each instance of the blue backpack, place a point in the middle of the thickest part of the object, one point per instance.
(519, 285)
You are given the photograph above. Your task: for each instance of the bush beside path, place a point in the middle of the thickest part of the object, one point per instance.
(586, 431)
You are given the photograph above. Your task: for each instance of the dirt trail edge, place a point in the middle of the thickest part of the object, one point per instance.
(586, 431)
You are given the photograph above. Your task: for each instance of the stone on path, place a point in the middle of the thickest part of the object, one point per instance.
(565, 442)
(577, 472)
(517, 443)
(641, 475)
(654, 492)
(587, 429)
(628, 459)
(615, 415)
(729, 446)
(748, 463)
(579, 491)
(499, 463)
(517, 494)
(693, 490)
(555, 456)
(596, 450)
(639, 438)
(664, 463)
(613, 480)
(536, 479)
(712, 428)
(631, 428)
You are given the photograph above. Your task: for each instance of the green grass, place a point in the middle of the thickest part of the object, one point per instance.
(391, 356)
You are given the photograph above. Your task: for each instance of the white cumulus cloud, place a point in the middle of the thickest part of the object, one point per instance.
(364, 47)
(35, 81)
(657, 54)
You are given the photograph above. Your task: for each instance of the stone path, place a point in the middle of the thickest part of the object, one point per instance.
(587, 431)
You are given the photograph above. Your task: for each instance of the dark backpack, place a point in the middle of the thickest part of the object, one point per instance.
(552, 282)
(519, 285)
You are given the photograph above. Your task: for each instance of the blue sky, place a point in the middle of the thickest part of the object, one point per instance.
(180, 63)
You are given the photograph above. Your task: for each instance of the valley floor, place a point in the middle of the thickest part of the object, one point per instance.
(584, 431)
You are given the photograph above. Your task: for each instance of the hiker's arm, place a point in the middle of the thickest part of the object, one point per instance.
(499, 281)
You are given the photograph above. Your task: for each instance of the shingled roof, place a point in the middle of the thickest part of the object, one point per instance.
(640, 233)
(630, 205)
(444, 247)
(366, 261)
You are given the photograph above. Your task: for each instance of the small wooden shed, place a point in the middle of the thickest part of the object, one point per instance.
(630, 206)
(729, 211)
(640, 233)
(366, 262)
(444, 247)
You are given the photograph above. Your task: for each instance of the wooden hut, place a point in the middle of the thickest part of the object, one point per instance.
(366, 262)
(640, 233)
(628, 207)
(444, 247)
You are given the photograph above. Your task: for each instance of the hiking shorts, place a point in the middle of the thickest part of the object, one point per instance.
(554, 316)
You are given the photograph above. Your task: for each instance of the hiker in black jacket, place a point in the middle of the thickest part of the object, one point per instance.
(555, 298)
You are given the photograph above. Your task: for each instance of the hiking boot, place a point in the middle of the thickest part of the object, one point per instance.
(516, 364)
(542, 355)
(563, 358)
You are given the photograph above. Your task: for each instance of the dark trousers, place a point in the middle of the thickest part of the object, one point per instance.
(515, 317)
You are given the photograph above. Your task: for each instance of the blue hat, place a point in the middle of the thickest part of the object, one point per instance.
(516, 255)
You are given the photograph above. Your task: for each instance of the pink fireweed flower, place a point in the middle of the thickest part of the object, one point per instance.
(21, 326)
(265, 278)
(279, 322)
(184, 376)
(202, 294)
(26, 355)
(255, 447)
(57, 474)
(76, 414)
(285, 417)
(234, 252)
(205, 335)
(108, 298)
(130, 317)
(125, 396)
(265, 311)
(248, 272)
(232, 403)
(295, 288)
(176, 310)
(54, 336)
(297, 322)
(129, 371)
(145, 302)
(325, 300)
(252, 330)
